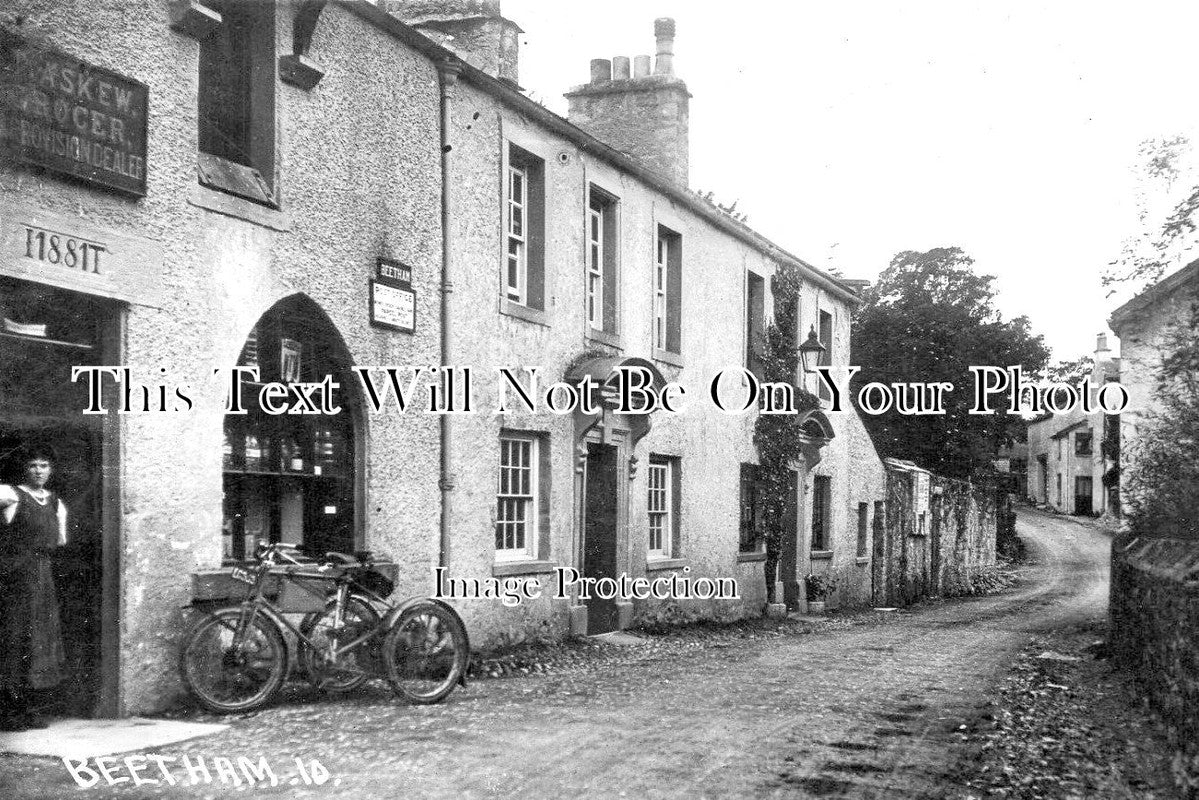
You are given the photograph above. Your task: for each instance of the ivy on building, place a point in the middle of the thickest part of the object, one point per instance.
(778, 436)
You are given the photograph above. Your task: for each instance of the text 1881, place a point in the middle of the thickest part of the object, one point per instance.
(64, 250)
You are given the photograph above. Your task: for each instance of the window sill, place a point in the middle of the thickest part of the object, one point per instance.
(603, 337)
(501, 569)
(745, 558)
(655, 564)
(862, 560)
(233, 206)
(821, 555)
(668, 357)
(526, 313)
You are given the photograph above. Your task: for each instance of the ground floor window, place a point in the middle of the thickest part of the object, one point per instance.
(290, 477)
(753, 531)
(821, 506)
(517, 497)
(662, 503)
(863, 530)
(659, 505)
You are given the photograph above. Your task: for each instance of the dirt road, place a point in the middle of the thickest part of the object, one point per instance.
(869, 711)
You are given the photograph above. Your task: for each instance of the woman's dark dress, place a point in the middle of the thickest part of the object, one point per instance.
(31, 649)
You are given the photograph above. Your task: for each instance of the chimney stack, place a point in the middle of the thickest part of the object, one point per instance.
(664, 33)
(646, 114)
(474, 29)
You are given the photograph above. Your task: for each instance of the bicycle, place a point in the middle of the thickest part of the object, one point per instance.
(235, 658)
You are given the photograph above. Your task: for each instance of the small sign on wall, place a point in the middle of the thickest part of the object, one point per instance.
(393, 300)
(922, 489)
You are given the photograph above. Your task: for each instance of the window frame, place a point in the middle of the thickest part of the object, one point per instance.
(670, 468)
(863, 530)
(517, 292)
(526, 298)
(751, 522)
(822, 496)
(827, 336)
(667, 331)
(601, 289)
(253, 176)
(660, 511)
(531, 500)
(1079, 438)
(755, 322)
(595, 266)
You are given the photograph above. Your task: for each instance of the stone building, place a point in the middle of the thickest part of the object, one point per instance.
(592, 254)
(1068, 467)
(178, 191)
(1142, 325)
(207, 184)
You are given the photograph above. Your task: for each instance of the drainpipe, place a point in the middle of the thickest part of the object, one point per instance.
(447, 73)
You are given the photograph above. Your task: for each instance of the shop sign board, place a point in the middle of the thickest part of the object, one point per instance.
(393, 300)
(77, 119)
(70, 252)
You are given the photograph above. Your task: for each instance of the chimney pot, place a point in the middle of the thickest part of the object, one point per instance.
(620, 68)
(664, 33)
(1101, 343)
(601, 70)
(641, 66)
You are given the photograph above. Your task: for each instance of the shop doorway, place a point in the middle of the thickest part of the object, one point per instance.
(44, 332)
(599, 537)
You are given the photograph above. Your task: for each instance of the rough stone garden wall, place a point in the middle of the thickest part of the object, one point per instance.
(939, 537)
(1154, 620)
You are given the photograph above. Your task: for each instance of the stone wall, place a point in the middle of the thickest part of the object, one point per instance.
(1154, 619)
(938, 539)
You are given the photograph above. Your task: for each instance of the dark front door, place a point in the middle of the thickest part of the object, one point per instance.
(1082, 494)
(599, 533)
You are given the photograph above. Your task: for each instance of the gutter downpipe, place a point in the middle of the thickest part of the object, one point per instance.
(447, 74)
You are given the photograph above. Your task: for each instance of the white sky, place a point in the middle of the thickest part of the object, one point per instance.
(851, 131)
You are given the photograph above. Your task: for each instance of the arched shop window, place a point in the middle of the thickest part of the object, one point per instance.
(290, 477)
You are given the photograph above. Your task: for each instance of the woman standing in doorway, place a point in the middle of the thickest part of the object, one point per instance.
(33, 521)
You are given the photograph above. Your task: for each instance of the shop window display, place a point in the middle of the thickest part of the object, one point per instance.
(289, 477)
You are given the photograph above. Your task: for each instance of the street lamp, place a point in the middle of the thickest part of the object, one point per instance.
(809, 351)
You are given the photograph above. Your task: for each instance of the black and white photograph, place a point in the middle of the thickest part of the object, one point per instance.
(528, 399)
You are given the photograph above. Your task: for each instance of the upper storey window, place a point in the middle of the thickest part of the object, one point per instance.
(668, 290)
(524, 224)
(602, 255)
(236, 101)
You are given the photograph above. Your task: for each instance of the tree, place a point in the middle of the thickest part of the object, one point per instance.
(928, 318)
(1167, 200)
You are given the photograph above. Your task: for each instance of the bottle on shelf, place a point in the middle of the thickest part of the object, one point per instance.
(227, 461)
(254, 453)
(292, 455)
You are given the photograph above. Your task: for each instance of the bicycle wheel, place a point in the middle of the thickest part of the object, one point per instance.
(425, 652)
(348, 673)
(227, 672)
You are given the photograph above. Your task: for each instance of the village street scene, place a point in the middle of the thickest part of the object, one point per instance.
(431, 398)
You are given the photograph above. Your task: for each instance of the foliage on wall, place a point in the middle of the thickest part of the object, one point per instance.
(777, 436)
